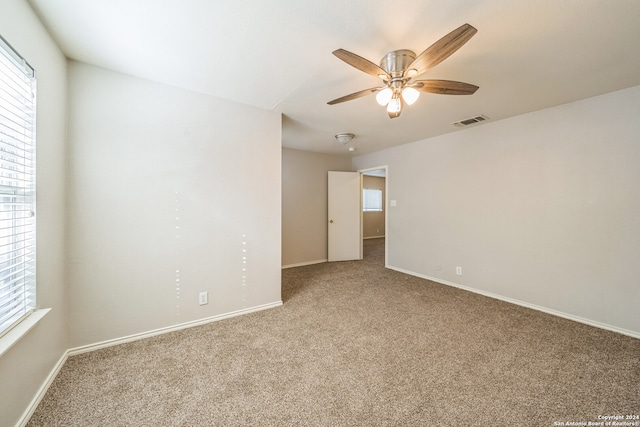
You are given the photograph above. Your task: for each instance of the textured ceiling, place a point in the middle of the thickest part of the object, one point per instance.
(276, 55)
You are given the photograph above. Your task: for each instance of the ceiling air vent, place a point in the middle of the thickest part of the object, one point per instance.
(470, 121)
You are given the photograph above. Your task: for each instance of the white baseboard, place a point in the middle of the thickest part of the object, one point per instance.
(22, 422)
(97, 346)
(373, 237)
(160, 331)
(579, 319)
(302, 264)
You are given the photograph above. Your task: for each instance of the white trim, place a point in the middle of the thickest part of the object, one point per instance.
(22, 422)
(302, 264)
(16, 333)
(578, 319)
(160, 331)
(373, 237)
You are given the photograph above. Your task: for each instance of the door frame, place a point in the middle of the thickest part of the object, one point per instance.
(385, 209)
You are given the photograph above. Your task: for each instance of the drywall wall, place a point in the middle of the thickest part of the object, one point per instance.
(171, 193)
(542, 208)
(26, 366)
(373, 222)
(304, 204)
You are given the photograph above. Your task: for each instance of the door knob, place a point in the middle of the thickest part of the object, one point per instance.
(330, 221)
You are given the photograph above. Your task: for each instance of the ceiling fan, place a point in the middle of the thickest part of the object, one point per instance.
(399, 68)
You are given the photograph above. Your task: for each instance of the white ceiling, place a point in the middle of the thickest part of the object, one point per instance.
(276, 55)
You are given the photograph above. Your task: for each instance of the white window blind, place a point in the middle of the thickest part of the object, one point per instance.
(17, 188)
(371, 200)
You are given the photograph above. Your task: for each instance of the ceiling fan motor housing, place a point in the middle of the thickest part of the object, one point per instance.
(394, 63)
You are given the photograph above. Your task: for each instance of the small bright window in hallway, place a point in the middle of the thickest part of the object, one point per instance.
(17, 188)
(371, 200)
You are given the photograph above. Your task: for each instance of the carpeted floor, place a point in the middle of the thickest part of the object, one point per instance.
(357, 345)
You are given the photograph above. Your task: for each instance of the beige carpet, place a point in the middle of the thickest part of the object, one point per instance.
(357, 345)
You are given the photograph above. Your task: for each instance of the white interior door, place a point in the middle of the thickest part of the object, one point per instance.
(345, 216)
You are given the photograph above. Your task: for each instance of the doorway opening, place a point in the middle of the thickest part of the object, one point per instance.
(374, 212)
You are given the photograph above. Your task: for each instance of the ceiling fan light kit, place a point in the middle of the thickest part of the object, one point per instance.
(384, 96)
(395, 105)
(410, 95)
(398, 68)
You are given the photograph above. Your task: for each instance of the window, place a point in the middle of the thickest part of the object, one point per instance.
(17, 188)
(371, 200)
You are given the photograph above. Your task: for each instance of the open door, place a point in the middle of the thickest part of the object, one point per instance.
(345, 216)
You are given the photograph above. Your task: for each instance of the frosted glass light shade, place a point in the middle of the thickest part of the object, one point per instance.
(344, 138)
(384, 96)
(410, 95)
(394, 105)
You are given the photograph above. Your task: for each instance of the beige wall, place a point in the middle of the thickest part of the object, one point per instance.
(26, 366)
(304, 204)
(166, 189)
(373, 222)
(542, 208)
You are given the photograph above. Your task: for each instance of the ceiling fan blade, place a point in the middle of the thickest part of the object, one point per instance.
(441, 50)
(354, 95)
(361, 64)
(444, 87)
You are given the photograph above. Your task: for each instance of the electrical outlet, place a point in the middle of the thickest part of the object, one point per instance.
(203, 298)
(459, 271)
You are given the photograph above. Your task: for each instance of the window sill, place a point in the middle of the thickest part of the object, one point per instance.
(16, 333)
